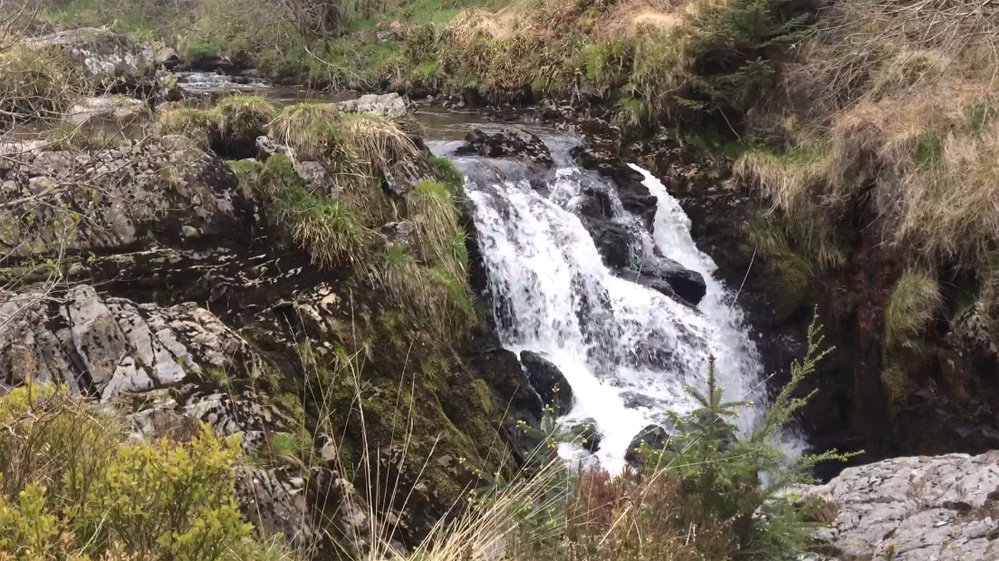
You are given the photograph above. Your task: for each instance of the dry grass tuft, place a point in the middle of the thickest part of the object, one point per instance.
(892, 104)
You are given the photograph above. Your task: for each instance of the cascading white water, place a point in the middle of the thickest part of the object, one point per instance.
(626, 350)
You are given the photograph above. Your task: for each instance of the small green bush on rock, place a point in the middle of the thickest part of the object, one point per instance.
(73, 487)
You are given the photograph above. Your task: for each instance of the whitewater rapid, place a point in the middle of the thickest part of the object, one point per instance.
(626, 350)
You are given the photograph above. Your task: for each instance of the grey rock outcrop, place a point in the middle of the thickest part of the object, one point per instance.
(106, 58)
(943, 508)
(390, 105)
(114, 196)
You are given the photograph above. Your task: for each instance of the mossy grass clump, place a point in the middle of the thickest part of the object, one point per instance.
(325, 228)
(448, 174)
(913, 302)
(309, 128)
(230, 128)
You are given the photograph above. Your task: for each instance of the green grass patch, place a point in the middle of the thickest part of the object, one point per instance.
(913, 302)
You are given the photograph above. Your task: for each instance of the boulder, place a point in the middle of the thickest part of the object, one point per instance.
(655, 437)
(688, 285)
(507, 143)
(548, 381)
(267, 147)
(111, 108)
(927, 508)
(390, 105)
(107, 59)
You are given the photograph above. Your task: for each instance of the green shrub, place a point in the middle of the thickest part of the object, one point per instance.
(74, 487)
(738, 485)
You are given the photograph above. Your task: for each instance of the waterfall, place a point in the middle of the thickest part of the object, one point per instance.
(626, 350)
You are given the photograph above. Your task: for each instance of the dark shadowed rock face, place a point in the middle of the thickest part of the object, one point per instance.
(507, 143)
(548, 381)
(616, 244)
(914, 509)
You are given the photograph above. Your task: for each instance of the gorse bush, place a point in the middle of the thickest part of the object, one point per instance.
(73, 487)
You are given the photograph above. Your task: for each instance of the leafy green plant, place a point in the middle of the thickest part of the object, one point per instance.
(73, 487)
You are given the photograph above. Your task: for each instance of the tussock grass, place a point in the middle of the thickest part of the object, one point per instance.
(232, 125)
(914, 301)
(440, 238)
(326, 229)
(891, 104)
(431, 278)
(309, 128)
(243, 116)
(373, 144)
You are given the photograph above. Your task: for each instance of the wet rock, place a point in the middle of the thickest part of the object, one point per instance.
(390, 105)
(508, 143)
(548, 381)
(688, 285)
(586, 435)
(107, 59)
(654, 437)
(616, 244)
(604, 157)
(118, 109)
(914, 509)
